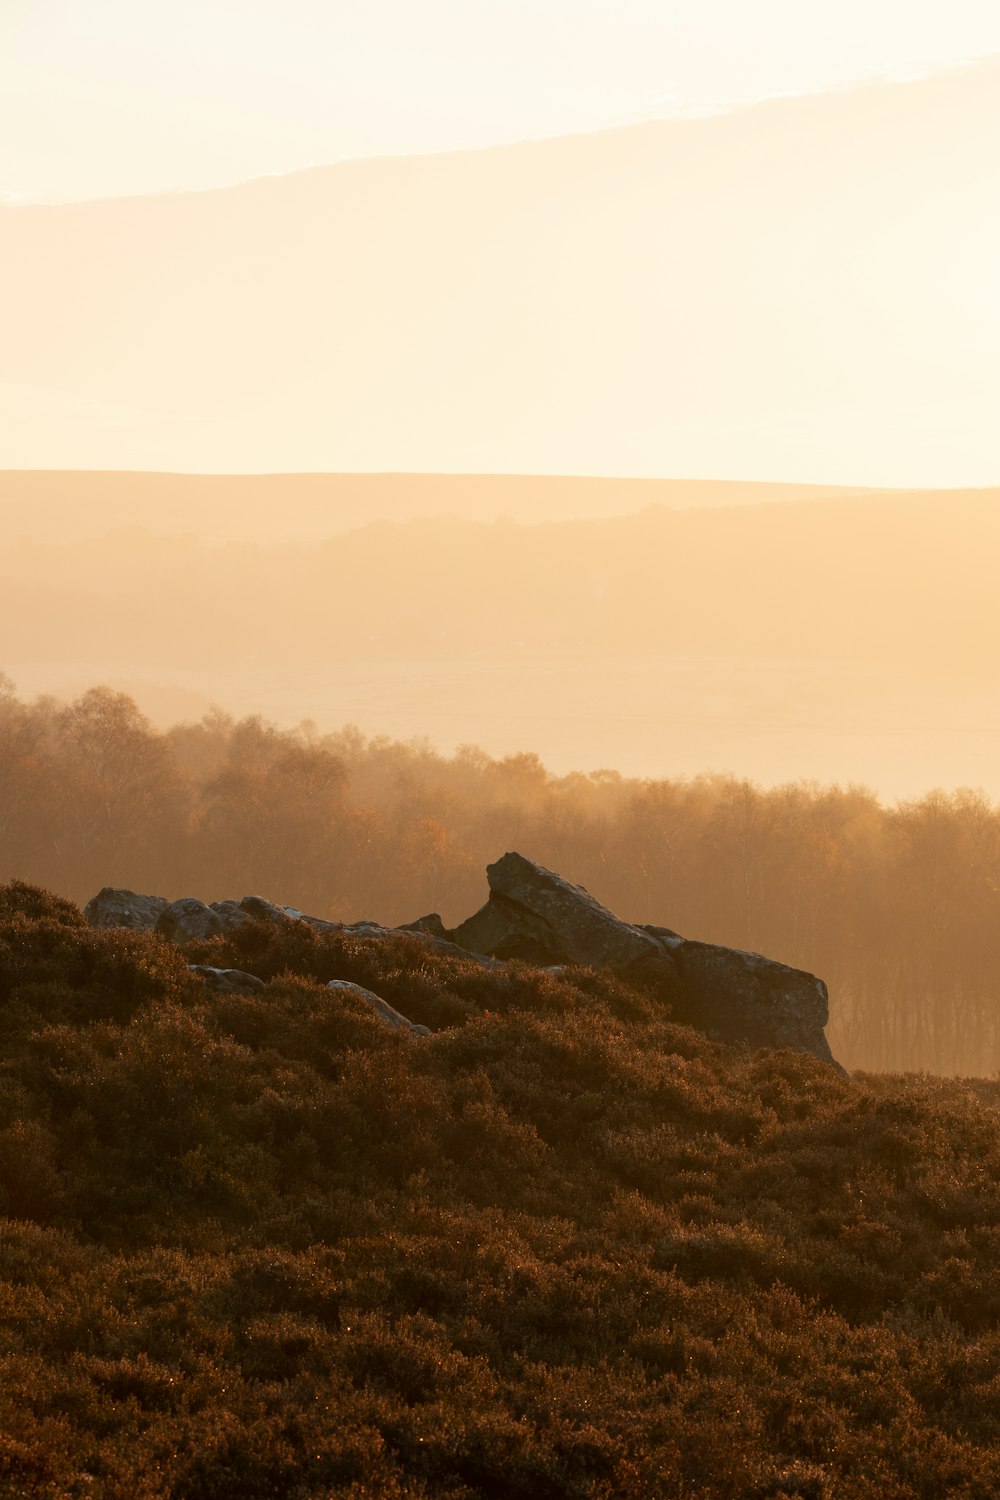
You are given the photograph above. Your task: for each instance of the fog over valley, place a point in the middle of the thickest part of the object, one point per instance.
(840, 636)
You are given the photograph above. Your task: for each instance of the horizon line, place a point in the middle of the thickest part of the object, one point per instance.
(857, 487)
(686, 116)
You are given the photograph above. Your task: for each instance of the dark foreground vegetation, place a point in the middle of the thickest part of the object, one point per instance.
(896, 908)
(264, 1246)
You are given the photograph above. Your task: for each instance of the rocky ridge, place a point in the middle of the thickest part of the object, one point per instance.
(538, 917)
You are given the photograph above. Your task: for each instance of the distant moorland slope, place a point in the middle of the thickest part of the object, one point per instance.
(847, 638)
(68, 505)
(796, 289)
(896, 578)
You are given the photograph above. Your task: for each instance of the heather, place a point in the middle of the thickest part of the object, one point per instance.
(263, 1245)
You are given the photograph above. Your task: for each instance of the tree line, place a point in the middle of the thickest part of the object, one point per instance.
(896, 907)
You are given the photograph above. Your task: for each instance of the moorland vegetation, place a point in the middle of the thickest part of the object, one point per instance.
(264, 1246)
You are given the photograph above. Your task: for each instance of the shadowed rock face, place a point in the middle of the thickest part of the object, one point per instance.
(255, 908)
(188, 919)
(230, 914)
(114, 907)
(742, 997)
(535, 914)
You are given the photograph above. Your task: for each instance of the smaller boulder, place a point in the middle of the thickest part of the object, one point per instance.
(265, 911)
(188, 920)
(228, 981)
(116, 907)
(432, 925)
(382, 1008)
(230, 914)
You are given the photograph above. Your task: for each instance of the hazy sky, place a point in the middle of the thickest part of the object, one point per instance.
(103, 97)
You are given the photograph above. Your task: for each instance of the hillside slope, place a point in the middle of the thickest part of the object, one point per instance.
(905, 579)
(794, 290)
(273, 509)
(847, 639)
(561, 1247)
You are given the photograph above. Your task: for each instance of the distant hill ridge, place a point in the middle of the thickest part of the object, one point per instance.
(798, 288)
(71, 505)
(899, 578)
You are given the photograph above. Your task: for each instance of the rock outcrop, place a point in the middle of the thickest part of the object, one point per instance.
(535, 915)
